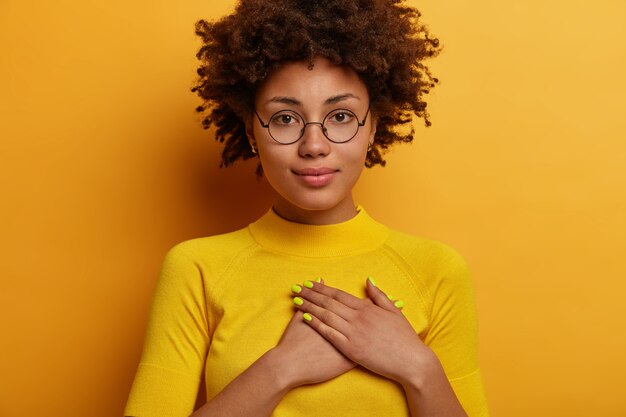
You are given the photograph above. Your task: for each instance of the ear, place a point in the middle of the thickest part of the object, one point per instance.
(251, 139)
(373, 124)
(253, 147)
(250, 134)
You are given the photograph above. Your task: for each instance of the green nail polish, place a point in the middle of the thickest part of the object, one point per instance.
(296, 288)
(388, 296)
(298, 301)
(308, 284)
(318, 279)
(372, 281)
(307, 317)
(399, 304)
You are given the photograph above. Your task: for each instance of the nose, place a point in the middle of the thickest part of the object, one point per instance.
(313, 142)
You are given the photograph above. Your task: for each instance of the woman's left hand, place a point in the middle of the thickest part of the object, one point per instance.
(372, 331)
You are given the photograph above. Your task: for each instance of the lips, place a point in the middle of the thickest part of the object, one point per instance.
(316, 177)
(314, 171)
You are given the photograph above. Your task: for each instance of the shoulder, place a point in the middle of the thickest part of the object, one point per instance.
(427, 255)
(222, 245)
(201, 246)
(435, 267)
(210, 253)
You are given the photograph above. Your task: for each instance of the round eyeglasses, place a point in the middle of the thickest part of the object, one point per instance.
(287, 126)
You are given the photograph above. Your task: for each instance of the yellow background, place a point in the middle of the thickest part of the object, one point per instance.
(104, 166)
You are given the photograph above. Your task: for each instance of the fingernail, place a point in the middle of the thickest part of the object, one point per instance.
(388, 296)
(298, 301)
(372, 281)
(307, 317)
(296, 288)
(399, 304)
(308, 284)
(318, 279)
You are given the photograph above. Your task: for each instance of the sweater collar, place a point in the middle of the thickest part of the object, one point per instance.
(357, 235)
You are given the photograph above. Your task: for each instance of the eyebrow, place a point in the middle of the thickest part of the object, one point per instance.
(295, 102)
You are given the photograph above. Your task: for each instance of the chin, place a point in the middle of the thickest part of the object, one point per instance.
(314, 205)
(312, 202)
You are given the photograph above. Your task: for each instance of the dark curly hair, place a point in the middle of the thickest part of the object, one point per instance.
(382, 40)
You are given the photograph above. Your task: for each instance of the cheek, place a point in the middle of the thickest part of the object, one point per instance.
(275, 167)
(353, 164)
(355, 157)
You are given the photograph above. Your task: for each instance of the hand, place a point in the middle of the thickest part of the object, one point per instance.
(372, 331)
(310, 357)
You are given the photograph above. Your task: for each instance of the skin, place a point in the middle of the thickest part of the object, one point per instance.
(312, 93)
(363, 328)
(345, 330)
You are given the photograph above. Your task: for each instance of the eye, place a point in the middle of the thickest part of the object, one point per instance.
(285, 119)
(341, 117)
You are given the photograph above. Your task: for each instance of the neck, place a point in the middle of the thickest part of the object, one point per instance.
(342, 212)
(359, 234)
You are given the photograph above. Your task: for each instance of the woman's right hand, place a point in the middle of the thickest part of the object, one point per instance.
(302, 356)
(307, 357)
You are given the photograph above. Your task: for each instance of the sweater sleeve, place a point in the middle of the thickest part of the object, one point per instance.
(176, 342)
(453, 331)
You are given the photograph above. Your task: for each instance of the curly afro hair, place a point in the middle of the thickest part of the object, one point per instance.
(383, 41)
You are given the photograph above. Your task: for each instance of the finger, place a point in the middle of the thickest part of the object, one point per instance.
(297, 288)
(379, 297)
(398, 303)
(338, 339)
(335, 293)
(324, 301)
(328, 317)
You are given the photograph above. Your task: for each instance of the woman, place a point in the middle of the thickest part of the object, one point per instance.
(316, 90)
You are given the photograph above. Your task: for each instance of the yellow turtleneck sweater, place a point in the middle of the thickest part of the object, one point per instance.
(222, 301)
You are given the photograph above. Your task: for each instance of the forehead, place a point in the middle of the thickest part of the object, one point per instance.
(311, 85)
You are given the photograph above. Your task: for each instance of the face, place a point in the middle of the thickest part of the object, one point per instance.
(313, 177)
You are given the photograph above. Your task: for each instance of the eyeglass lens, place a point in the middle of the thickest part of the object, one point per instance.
(288, 126)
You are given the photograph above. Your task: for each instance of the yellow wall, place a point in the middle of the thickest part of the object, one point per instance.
(104, 166)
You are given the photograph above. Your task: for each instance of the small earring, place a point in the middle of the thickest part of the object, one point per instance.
(253, 149)
(369, 147)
